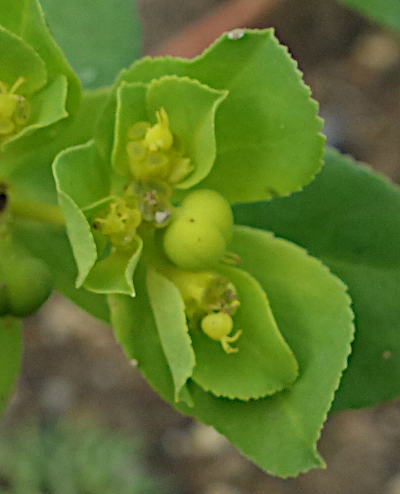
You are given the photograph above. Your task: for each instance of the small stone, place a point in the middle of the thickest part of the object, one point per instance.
(235, 34)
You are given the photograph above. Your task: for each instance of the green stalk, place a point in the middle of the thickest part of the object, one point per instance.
(36, 211)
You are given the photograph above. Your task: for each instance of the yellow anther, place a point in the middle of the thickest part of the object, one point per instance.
(159, 137)
(120, 223)
(137, 131)
(22, 111)
(14, 109)
(218, 326)
(155, 153)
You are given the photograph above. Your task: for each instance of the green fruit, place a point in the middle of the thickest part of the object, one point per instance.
(26, 281)
(208, 204)
(200, 230)
(192, 243)
(217, 325)
(29, 286)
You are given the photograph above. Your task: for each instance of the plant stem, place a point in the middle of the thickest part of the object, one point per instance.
(37, 211)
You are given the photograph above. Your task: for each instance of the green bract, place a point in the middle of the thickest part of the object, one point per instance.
(231, 330)
(37, 87)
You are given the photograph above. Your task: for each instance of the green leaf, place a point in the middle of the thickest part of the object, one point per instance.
(81, 180)
(10, 356)
(25, 18)
(114, 274)
(264, 363)
(350, 218)
(36, 181)
(99, 38)
(311, 307)
(196, 127)
(33, 178)
(267, 129)
(20, 60)
(386, 12)
(169, 315)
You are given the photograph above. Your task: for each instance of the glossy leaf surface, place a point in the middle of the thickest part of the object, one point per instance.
(311, 307)
(267, 129)
(350, 218)
(264, 363)
(169, 314)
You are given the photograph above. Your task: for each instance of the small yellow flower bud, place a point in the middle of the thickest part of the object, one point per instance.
(159, 137)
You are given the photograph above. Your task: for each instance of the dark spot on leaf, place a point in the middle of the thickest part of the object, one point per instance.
(272, 192)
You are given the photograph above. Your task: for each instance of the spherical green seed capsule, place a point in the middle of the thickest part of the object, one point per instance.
(29, 284)
(217, 325)
(193, 244)
(26, 281)
(205, 203)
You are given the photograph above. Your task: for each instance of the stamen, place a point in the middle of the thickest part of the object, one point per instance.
(232, 258)
(154, 152)
(14, 109)
(120, 223)
(18, 83)
(159, 137)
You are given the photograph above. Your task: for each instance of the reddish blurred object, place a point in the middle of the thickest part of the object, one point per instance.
(197, 36)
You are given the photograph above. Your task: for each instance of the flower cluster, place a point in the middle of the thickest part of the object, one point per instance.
(214, 313)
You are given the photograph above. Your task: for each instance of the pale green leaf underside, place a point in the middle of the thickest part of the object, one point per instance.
(311, 307)
(25, 18)
(264, 364)
(10, 356)
(19, 60)
(114, 274)
(169, 315)
(81, 179)
(131, 108)
(99, 38)
(350, 218)
(267, 129)
(387, 12)
(191, 108)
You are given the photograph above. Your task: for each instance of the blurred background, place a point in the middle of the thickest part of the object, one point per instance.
(73, 370)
